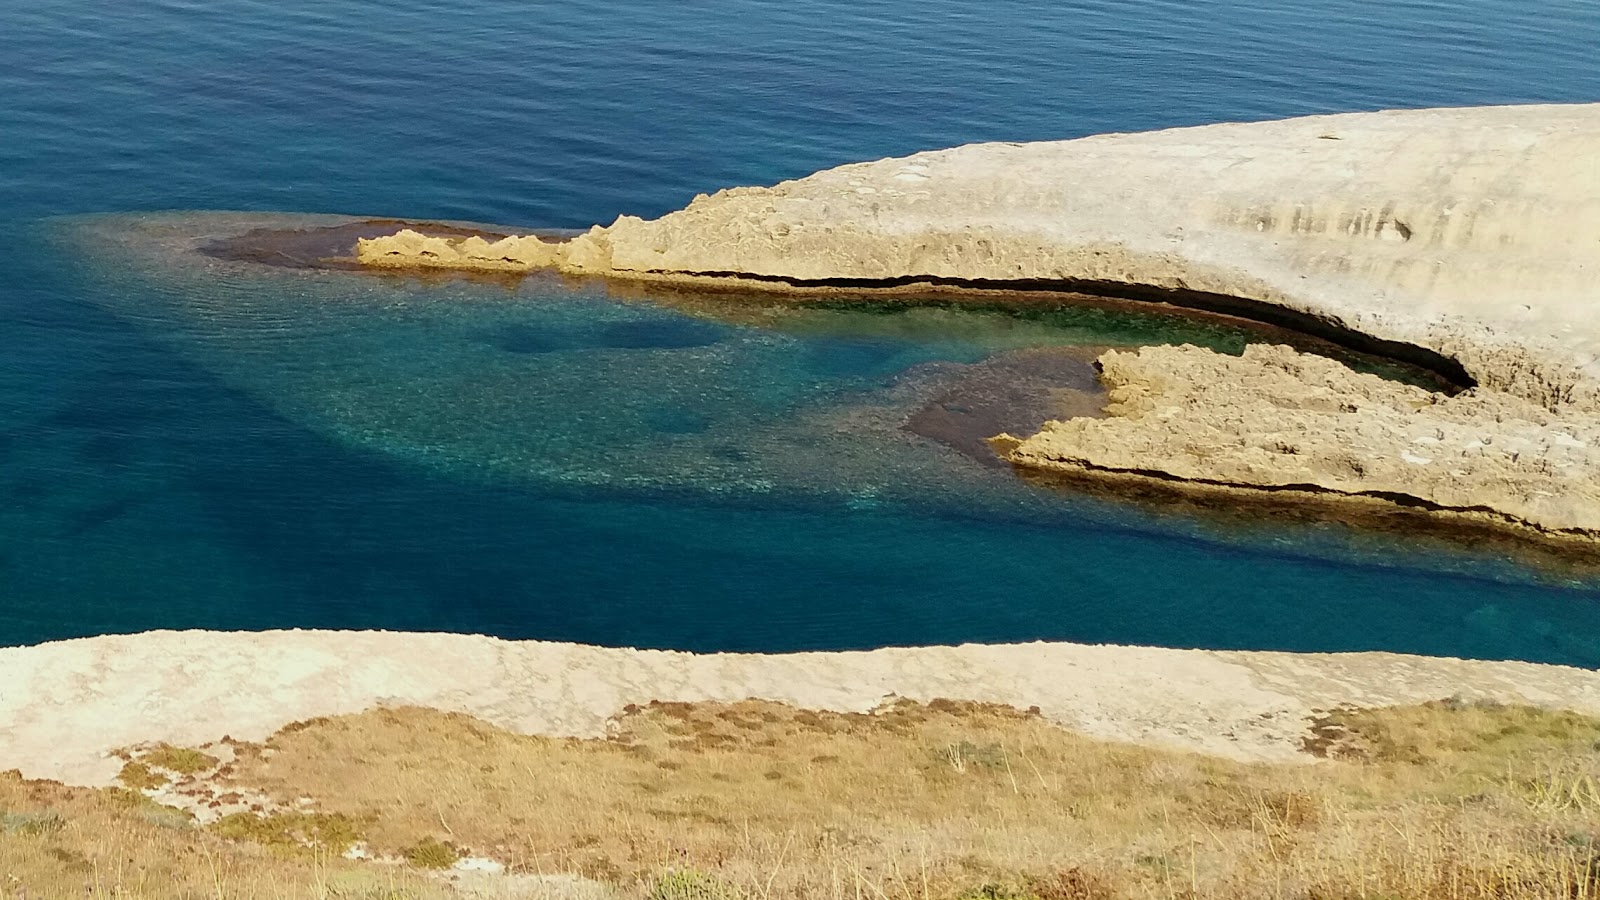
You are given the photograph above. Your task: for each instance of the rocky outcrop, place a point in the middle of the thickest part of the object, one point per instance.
(1276, 418)
(64, 706)
(409, 248)
(1465, 239)
(1472, 233)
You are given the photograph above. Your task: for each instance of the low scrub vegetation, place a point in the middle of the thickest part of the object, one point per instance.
(944, 801)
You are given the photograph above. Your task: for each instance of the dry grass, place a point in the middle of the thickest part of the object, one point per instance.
(72, 842)
(941, 800)
(950, 801)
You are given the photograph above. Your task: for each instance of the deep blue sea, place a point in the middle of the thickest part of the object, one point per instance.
(198, 444)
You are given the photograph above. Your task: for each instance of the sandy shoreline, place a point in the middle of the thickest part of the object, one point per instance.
(64, 706)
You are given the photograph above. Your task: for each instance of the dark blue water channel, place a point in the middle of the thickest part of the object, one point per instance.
(192, 447)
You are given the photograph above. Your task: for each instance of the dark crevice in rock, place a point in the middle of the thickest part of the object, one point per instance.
(1407, 501)
(1235, 508)
(1450, 370)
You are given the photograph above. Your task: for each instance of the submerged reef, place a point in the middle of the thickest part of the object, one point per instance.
(1462, 240)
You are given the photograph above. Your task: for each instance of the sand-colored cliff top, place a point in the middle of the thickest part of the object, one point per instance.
(64, 705)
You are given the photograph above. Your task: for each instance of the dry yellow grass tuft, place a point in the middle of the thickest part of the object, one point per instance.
(945, 801)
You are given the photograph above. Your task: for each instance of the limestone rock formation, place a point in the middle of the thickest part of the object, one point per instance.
(1465, 238)
(408, 248)
(1474, 232)
(1277, 418)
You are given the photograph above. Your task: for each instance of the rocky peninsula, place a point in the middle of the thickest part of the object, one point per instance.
(1278, 419)
(1463, 240)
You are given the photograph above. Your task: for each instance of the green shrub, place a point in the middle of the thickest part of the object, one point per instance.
(692, 884)
(999, 891)
(291, 830)
(178, 759)
(31, 823)
(137, 776)
(965, 756)
(163, 816)
(431, 854)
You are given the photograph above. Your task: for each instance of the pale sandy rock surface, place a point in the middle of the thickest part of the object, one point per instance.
(1277, 418)
(1471, 232)
(64, 706)
(409, 248)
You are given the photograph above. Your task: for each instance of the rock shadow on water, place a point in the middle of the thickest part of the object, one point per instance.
(1379, 524)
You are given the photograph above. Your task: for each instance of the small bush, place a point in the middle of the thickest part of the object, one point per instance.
(169, 817)
(964, 756)
(999, 890)
(1073, 884)
(178, 759)
(692, 884)
(291, 830)
(157, 814)
(431, 854)
(31, 823)
(138, 777)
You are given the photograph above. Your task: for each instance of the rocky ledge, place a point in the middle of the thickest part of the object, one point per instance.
(1466, 240)
(1279, 419)
(65, 706)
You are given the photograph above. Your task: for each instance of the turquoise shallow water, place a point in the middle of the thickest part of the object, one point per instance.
(225, 447)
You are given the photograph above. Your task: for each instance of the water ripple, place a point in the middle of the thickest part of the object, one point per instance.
(585, 110)
(143, 490)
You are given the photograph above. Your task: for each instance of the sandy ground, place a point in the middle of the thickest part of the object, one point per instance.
(64, 706)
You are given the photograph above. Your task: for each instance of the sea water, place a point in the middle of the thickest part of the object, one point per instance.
(187, 443)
